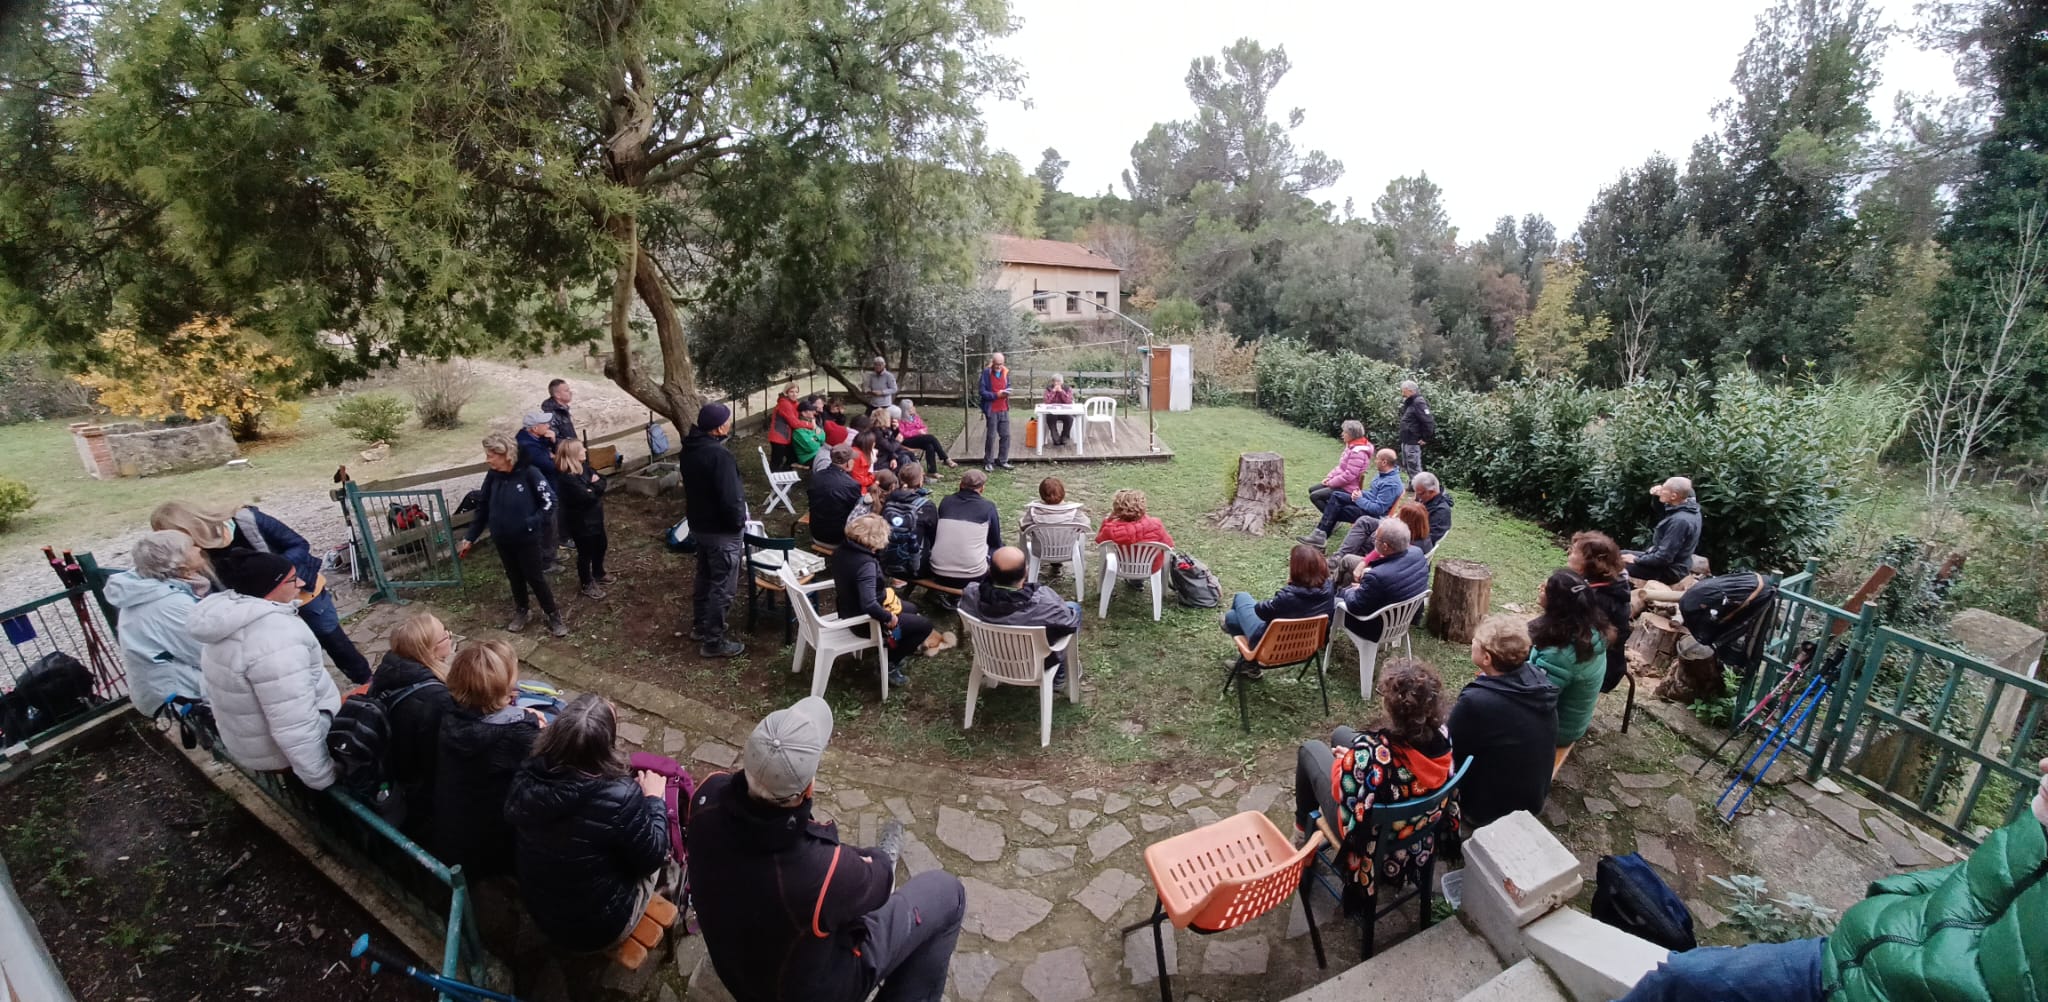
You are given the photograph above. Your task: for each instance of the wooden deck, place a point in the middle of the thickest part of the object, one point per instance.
(1131, 444)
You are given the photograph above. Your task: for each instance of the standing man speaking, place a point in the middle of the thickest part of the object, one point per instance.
(718, 518)
(1417, 428)
(878, 385)
(995, 412)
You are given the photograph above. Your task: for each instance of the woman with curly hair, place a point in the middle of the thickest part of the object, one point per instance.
(1406, 755)
(1128, 523)
(1595, 557)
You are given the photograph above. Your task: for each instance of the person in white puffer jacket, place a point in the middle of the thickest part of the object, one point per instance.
(272, 697)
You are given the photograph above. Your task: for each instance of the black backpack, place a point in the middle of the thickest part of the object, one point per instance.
(1194, 584)
(904, 556)
(55, 687)
(1629, 896)
(359, 741)
(1730, 613)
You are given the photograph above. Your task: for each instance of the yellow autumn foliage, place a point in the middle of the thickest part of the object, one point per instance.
(207, 366)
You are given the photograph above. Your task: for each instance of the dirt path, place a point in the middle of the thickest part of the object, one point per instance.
(600, 407)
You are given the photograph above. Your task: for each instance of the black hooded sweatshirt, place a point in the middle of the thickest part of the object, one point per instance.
(409, 757)
(779, 898)
(1672, 543)
(478, 757)
(585, 845)
(1509, 723)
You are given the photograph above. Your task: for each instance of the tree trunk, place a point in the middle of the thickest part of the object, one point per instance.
(1695, 675)
(1652, 643)
(1261, 493)
(1458, 600)
(675, 396)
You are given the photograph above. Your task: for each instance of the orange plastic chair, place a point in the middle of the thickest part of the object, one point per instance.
(1286, 643)
(1220, 876)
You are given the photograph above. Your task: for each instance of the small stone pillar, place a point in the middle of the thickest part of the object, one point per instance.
(93, 450)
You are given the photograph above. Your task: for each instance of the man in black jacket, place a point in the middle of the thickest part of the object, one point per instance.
(1006, 599)
(717, 508)
(1417, 427)
(1676, 538)
(833, 493)
(1507, 719)
(1430, 491)
(556, 407)
(1401, 573)
(788, 912)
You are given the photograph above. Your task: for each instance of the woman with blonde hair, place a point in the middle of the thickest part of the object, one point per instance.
(1128, 523)
(783, 425)
(582, 494)
(484, 738)
(223, 535)
(518, 505)
(169, 578)
(409, 684)
(862, 587)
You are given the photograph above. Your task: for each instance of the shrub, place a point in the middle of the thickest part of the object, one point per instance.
(1226, 370)
(207, 366)
(439, 392)
(15, 497)
(371, 417)
(1175, 316)
(30, 390)
(1767, 920)
(1769, 461)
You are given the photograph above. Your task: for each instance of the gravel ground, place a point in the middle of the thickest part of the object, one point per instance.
(600, 408)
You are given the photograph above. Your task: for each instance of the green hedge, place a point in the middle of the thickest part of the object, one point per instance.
(1769, 461)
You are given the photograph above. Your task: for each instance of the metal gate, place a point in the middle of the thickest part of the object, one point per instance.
(402, 539)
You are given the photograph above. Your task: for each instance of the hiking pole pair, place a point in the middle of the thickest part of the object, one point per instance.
(1779, 737)
(1761, 713)
(379, 957)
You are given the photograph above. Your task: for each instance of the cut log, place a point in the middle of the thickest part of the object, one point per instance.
(1261, 493)
(1458, 599)
(1654, 642)
(1695, 674)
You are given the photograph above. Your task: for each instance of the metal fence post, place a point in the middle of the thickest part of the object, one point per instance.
(367, 543)
(1829, 749)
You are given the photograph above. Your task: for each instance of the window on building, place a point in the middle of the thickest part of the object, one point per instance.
(1073, 301)
(1102, 300)
(1039, 301)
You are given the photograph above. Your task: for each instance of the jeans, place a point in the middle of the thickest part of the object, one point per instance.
(590, 551)
(1061, 427)
(320, 617)
(719, 559)
(997, 424)
(934, 452)
(1241, 621)
(1359, 541)
(1319, 496)
(1762, 972)
(1411, 458)
(911, 938)
(523, 561)
(1312, 764)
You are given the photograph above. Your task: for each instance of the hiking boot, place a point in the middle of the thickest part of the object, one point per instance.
(1317, 539)
(722, 648)
(557, 628)
(988, 467)
(891, 843)
(897, 678)
(593, 590)
(519, 621)
(1007, 465)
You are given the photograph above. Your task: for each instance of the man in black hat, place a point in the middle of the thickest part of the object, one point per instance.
(717, 507)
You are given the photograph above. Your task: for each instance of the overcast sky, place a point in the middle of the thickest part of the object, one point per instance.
(1511, 106)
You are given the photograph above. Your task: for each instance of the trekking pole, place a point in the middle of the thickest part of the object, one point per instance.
(1762, 711)
(378, 958)
(1779, 738)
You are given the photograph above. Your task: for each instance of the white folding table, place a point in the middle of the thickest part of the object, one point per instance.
(1079, 414)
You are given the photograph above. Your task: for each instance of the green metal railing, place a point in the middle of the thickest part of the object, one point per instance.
(1796, 619)
(77, 621)
(403, 539)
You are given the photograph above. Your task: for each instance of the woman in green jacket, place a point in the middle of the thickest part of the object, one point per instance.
(1973, 932)
(1569, 642)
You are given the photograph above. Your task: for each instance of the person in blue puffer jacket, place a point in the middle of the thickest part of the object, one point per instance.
(156, 598)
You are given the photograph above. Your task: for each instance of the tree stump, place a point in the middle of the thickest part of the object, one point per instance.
(1458, 600)
(1261, 493)
(1653, 642)
(1695, 675)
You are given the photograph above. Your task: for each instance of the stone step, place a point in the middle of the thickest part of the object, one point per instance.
(1439, 964)
(1524, 982)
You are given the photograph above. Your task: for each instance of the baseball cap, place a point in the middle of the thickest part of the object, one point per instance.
(782, 754)
(1681, 486)
(533, 418)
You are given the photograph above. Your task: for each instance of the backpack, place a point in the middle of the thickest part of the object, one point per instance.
(405, 516)
(1194, 584)
(678, 537)
(359, 741)
(657, 437)
(470, 502)
(53, 688)
(904, 556)
(1629, 896)
(1730, 613)
(675, 793)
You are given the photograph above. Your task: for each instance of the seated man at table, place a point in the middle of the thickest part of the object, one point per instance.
(1372, 501)
(1004, 598)
(1061, 426)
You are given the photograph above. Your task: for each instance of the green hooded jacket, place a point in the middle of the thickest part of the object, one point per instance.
(1973, 932)
(1578, 685)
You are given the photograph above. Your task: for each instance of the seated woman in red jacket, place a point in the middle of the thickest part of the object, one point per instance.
(782, 426)
(1127, 523)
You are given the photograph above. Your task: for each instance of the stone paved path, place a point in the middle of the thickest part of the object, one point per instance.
(1052, 873)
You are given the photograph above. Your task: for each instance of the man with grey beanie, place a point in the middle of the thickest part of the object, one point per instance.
(536, 441)
(788, 912)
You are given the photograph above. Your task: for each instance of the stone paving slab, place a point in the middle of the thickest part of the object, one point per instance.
(1059, 976)
(976, 838)
(1109, 892)
(1000, 913)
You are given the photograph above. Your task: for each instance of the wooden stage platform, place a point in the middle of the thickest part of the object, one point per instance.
(1131, 444)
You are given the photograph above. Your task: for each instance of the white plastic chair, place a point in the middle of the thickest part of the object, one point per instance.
(1016, 655)
(828, 637)
(778, 485)
(1101, 410)
(1058, 544)
(1134, 563)
(1439, 547)
(1394, 620)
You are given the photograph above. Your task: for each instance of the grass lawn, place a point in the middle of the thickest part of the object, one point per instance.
(73, 506)
(1153, 690)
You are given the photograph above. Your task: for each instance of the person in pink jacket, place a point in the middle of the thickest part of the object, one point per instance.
(1351, 468)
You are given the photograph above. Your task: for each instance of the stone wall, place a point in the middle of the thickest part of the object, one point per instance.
(134, 449)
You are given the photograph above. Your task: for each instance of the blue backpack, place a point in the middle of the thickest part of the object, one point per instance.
(1629, 896)
(657, 437)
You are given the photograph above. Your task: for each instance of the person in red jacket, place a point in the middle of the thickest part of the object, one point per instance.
(1127, 523)
(782, 426)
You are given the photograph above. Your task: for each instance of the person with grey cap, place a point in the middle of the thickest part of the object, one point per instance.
(717, 505)
(536, 441)
(1676, 538)
(788, 911)
(878, 385)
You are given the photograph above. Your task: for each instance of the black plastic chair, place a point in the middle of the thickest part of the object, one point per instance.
(761, 577)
